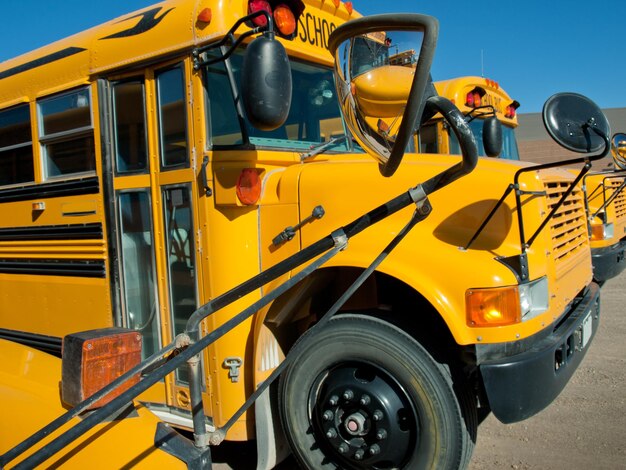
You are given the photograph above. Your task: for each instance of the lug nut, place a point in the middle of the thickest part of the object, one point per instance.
(328, 415)
(365, 400)
(375, 450)
(348, 395)
(333, 400)
(381, 434)
(331, 433)
(358, 455)
(378, 415)
(343, 448)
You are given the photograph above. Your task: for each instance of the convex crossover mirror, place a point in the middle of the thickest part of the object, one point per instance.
(576, 123)
(492, 136)
(382, 71)
(618, 150)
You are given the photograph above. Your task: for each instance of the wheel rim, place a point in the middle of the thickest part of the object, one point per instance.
(362, 417)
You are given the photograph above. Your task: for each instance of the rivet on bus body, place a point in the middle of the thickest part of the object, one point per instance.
(517, 335)
(480, 338)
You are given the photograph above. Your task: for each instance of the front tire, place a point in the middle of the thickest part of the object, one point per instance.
(361, 393)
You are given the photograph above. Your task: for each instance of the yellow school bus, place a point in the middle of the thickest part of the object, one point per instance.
(478, 98)
(606, 211)
(163, 179)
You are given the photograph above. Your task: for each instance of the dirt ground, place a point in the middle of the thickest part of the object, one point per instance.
(583, 429)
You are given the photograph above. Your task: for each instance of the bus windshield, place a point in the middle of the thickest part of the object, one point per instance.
(314, 117)
(509, 143)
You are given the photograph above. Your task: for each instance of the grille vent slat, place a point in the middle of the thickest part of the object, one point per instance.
(620, 200)
(568, 227)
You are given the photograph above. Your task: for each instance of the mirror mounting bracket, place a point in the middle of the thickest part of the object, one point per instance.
(232, 42)
(518, 264)
(487, 110)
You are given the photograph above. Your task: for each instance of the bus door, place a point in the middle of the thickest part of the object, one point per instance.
(155, 216)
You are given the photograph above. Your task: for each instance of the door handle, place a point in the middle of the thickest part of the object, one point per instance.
(203, 176)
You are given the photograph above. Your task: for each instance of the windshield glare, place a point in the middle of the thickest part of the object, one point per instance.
(314, 117)
(509, 143)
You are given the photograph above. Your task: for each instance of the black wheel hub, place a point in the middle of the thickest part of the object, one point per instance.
(363, 416)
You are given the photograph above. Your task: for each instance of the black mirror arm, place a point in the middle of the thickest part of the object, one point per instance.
(469, 149)
(585, 169)
(611, 198)
(607, 141)
(229, 39)
(471, 114)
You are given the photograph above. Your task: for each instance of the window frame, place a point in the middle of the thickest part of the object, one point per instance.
(64, 136)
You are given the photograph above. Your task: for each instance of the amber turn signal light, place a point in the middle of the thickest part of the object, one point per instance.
(493, 307)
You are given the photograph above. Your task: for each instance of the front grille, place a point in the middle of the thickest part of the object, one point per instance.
(568, 227)
(619, 202)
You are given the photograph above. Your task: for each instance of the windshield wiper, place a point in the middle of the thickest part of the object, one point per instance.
(322, 147)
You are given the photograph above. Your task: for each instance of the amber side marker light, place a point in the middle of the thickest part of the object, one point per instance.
(493, 307)
(602, 231)
(249, 186)
(93, 359)
(205, 16)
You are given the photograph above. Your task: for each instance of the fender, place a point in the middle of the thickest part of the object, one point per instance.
(30, 399)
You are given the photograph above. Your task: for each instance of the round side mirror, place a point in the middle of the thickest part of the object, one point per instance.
(492, 136)
(266, 83)
(618, 150)
(382, 71)
(576, 123)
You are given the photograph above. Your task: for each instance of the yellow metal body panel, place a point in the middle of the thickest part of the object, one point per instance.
(29, 386)
(431, 259)
(56, 307)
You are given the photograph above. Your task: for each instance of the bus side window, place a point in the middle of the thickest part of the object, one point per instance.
(66, 139)
(138, 267)
(428, 139)
(172, 118)
(16, 151)
(225, 128)
(130, 127)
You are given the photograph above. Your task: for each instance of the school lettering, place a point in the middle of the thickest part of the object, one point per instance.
(314, 30)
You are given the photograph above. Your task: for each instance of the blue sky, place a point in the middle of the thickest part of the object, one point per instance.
(532, 48)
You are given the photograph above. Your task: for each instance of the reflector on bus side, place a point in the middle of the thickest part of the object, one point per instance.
(93, 359)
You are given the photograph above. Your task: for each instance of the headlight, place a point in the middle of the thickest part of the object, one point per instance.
(533, 298)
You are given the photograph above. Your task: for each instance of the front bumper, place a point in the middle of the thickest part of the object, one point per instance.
(522, 378)
(608, 262)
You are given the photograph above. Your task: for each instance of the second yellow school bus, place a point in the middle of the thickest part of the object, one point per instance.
(136, 189)
(477, 98)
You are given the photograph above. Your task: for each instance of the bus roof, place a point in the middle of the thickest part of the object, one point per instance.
(152, 33)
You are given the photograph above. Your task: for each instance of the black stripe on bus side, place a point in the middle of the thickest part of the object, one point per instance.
(45, 60)
(49, 344)
(46, 190)
(53, 267)
(53, 232)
